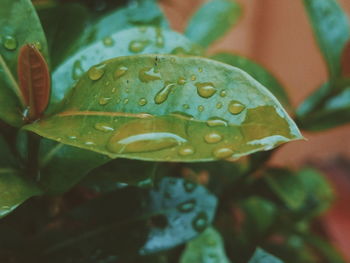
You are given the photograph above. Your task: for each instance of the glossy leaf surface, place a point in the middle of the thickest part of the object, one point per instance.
(13, 34)
(261, 256)
(34, 80)
(256, 71)
(212, 21)
(208, 247)
(332, 30)
(172, 108)
(132, 221)
(134, 41)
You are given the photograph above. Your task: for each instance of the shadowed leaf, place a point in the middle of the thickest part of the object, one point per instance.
(261, 256)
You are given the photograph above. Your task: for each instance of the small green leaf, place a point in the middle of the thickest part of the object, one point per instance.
(208, 247)
(169, 108)
(332, 31)
(258, 72)
(62, 166)
(261, 256)
(14, 33)
(143, 40)
(131, 221)
(212, 21)
(14, 190)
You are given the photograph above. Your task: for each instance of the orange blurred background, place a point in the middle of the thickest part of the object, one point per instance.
(277, 34)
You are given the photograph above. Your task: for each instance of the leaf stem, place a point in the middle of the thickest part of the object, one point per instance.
(33, 155)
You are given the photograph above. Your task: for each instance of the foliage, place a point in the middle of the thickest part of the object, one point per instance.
(131, 157)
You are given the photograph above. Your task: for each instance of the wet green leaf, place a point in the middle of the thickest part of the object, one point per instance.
(212, 21)
(14, 190)
(258, 72)
(13, 34)
(169, 108)
(261, 256)
(208, 247)
(134, 41)
(131, 221)
(62, 166)
(332, 31)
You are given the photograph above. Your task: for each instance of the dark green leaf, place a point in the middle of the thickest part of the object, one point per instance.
(212, 21)
(169, 108)
(256, 71)
(208, 247)
(62, 166)
(130, 222)
(145, 40)
(261, 256)
(332, 31)
(14, 33)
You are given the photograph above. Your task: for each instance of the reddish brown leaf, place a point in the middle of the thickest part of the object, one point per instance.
(34, 80)
(345, 61)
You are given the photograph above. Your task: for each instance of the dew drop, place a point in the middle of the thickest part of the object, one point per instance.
(193, 77)
(108, 41)
(104, 127)
(219, 105)
(213, 137)
(104, 101)
(120, 72)
(163, 94)
(186, 206)
(200, 108)
(114, 90)
(72, 137)
(223, 93)
(216, 121)
(235, 107)
(186, 106)
(77, 71)
(186, 151)
(200, 222)
(89, 143)
(205, 89)
(96, 72)
(200, 70)
(181, 81)
(142, 102)
(10, 43)
(149, 74)
(223, 153)
(137, 46)
(126, 101)
(38, 45)
(182, 115)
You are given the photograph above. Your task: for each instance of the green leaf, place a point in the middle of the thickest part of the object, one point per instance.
(131, 221)
(14, 33)
(257, 72)
(14, 190)
(208, 247)
(62, 166)
(212, 21)
(261, 256)
(145, 40)
(169, 108)
(331, 27)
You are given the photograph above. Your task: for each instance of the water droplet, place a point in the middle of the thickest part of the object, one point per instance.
(163, 94)
(186, 106)
(219, 105)
(200, 108)
(142, 102)
(89, 143)
(182, 115)
(235, 107)
(126, 101)
(38, 45)
(144, 142)
(104, 127)
(114, 90)
(181, 81)
(96, 72)
(189, 186)
(200, 222)
(149, 74)
(104, 101)
(200, 69)
(186, 150)
(213, 137)
(77, 71)
(205, 89)
(193, 77)
(137, 46)
(72, 137)
(120, 72)
(223, 93)
(216, 121)
(108, 41)
(159, 37)
(9, 42)
(223, 153)
(186, 206)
